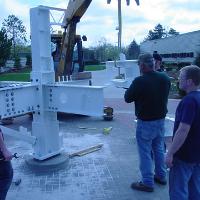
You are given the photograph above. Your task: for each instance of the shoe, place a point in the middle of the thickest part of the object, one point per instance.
(141, 187)
(159, 181)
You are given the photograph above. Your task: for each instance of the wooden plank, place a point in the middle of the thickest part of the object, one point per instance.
(86, 151)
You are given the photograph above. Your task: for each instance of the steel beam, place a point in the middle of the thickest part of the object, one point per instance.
(84, 100)
(18, 100)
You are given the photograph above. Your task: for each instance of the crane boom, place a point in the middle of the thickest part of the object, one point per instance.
(75, 10)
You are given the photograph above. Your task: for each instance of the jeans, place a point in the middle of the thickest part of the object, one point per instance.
(184, 181)
(150, 138)
(6, 175)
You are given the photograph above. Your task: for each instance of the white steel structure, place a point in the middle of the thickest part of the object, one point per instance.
(128, 69)
(43, 97)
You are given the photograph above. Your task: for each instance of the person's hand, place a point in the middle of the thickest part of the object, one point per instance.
(7, 155)
(169, 160)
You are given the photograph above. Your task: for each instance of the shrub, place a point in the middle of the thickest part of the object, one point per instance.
(92, 62)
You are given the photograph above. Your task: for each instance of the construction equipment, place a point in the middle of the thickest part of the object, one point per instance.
(64, 53)
(75, 10)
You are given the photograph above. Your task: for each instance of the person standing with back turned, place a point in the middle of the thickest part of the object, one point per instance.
(183, 157)
(149, 92)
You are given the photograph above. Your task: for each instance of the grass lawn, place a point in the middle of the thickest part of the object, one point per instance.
(24, 74)
(15, 77)
(94, 67)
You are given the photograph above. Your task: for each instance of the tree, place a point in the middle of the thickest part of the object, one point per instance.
(157, 33)
(133, 50)
(17, 62)
(172, 32)
(5, 47)
(15, 30)
(112, 52)
(23, 48)
(29, 60)
(105, 51)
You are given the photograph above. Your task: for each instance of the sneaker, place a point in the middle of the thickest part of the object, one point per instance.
(159, 181)
(141, 187)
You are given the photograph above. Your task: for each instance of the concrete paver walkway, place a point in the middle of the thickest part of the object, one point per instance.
(102, 175)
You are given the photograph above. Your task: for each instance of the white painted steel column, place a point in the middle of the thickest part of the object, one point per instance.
(45, 126)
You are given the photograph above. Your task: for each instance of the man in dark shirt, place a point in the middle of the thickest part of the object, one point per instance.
(6, 171)
(149, 92)
(158, 62)
(183, 156)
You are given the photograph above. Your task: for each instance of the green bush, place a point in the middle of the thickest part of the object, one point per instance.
(92, 62)
(183, 64)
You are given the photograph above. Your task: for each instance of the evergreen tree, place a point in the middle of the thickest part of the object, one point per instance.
(157, 33)
(15, 30)
(172, 32)
(133, 50)
(5, 47)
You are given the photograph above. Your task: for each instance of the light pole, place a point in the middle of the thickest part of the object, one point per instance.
(119, 25)
(120, 20)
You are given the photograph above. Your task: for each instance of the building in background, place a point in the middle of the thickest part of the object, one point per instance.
(182, 48)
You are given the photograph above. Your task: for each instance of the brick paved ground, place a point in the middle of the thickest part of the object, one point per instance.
(102, 175)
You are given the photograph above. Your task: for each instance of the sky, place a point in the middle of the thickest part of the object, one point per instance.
(100, 20)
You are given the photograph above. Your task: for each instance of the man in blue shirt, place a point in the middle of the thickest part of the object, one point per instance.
(183, 157)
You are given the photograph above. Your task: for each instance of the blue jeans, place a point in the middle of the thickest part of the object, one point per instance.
(6, 175)
(184, 181)
(150, 138)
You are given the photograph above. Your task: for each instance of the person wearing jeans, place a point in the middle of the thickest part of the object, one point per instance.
(150, 137)
(150, 93)
(6, 171)
(183, 156)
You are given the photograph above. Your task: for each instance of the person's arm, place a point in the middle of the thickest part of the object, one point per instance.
(178, 141)
(7, 155)
(131, 93)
